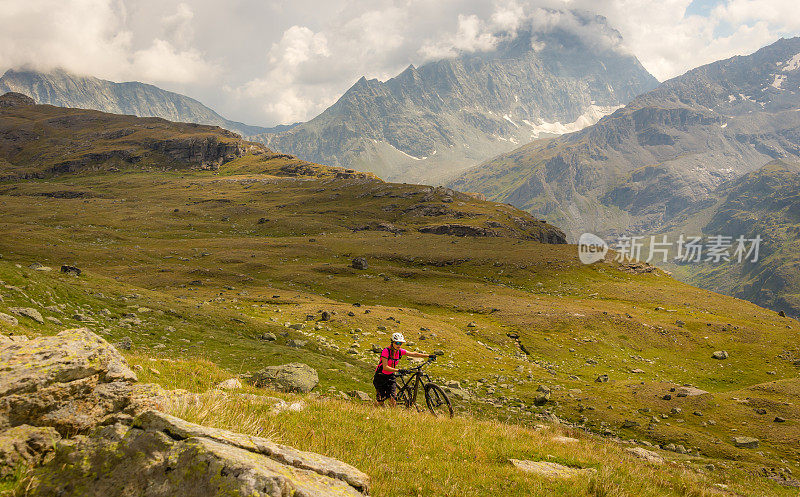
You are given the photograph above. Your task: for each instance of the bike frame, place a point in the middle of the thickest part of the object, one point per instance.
(405, 384)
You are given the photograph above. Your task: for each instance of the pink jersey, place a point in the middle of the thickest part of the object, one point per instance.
(393, 357)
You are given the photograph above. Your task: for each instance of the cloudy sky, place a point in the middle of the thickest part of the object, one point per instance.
(268, 62)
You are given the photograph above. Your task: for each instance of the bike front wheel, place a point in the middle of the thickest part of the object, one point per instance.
(437, 401)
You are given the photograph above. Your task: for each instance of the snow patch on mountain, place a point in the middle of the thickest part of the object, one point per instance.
(593, 114)
(792, 64)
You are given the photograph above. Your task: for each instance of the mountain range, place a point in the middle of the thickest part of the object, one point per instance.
(428, 123)
(64, 89)
(669, 159)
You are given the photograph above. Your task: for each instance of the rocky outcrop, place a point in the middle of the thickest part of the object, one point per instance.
(162, 455)
(14, 99)
(457, 230)
(70, 405)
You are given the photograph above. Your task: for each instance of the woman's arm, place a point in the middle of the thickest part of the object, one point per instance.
(417, 354)
(385, 364)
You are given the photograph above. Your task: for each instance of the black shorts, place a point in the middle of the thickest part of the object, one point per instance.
(385, 386)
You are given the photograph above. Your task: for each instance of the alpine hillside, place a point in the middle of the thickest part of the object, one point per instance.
(206, 260)
(64, 89)
(433, 121)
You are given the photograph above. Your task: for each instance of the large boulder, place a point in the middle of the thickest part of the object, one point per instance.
(162, 455)
(69, 405)
(292, 377)
(71, 381)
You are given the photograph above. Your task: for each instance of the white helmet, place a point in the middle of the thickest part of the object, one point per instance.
(398, 337)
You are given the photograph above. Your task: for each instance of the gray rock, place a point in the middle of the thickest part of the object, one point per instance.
(647, 455)
(551, 470)
(603, 378)
(9, 320)
(363, 396)
(690, 392)
(28, 312)
(745, 442)
(268, 337)
(542, 395)
(70, 270)
(71, 381)
(182, 459)
(719, 355)
(292, 377)
(360, 263)
(124, 344)
(230, 384)
(296, 343)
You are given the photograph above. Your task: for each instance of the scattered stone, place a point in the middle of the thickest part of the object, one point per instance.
(70, 270)
(676, 410)
(124, 344)
(296, 343)
(779, 419)
(542, 395)
(690, 392)
(326, 316)
(603, 378)
(667, 397)
(760, 410)
(268, 337)
(745, 442)
(9, 320)
(230, 384)
(360, 263)
(630, 424)
(680, 323)
(363, 396)
(647, 455)
(292, 377)
(782, 314)
(550, 469)
(28, 312)
(719, 355)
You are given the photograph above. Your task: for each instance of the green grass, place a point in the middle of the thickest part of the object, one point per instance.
(185, 252)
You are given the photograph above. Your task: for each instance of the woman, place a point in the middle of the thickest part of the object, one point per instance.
(385, 386)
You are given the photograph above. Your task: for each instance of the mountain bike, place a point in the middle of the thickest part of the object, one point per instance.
(408, 385)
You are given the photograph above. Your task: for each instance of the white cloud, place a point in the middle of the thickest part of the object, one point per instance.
(91, 37)
(282, 60)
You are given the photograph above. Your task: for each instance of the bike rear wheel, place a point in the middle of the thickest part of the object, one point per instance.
(437, 401)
